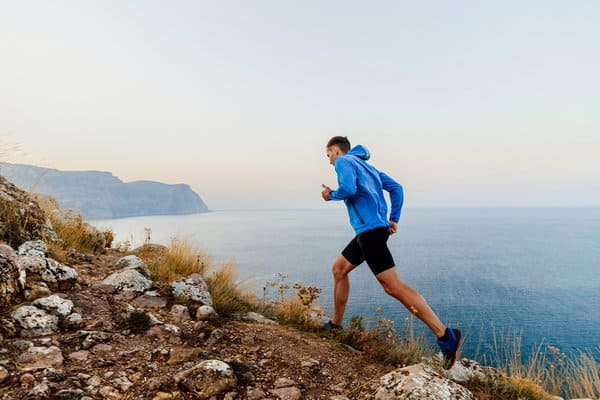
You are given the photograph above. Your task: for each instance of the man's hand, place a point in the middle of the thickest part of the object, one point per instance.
(393, 227)
(325, 192)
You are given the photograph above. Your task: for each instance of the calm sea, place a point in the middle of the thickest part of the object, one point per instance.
(531, 272)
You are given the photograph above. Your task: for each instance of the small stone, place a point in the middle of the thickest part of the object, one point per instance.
(27, 378)
(123, 383)
(162, 396)
(81, 355)
(257, 318)
(36, 358)
(40, 391)
(94, 381)
(230, 396)
(310, 363)
(255, 393)
(283, 383)
(101, 348)
(181, 312)
(73, 321)
(203, 313)
(215, 337)
(338, 397)
(138, 376)
(179, 355)
(289, 393)
(3, 374)
(110, 393)
(153, 384)
(147, 301)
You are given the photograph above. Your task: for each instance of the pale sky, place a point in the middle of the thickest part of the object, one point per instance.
(466, 103)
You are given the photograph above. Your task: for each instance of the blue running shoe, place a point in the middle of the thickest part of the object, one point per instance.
(330, 326)
(450, 347)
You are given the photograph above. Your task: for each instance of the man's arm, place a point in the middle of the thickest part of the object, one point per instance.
(346, 180)
(396, 195)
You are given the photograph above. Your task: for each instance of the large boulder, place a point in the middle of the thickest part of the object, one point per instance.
(34, 321)
(192, 289)
(55, 274)
(36, 248)
(55, 305)
(419, 381)
(129, 280)
(208, 378)
(11, 276)
(21, 218)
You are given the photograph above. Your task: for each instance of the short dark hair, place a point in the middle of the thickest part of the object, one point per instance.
(340, 141)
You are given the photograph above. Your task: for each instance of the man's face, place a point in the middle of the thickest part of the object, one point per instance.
(333, 152)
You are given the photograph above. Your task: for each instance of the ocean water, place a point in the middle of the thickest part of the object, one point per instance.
(528, 272)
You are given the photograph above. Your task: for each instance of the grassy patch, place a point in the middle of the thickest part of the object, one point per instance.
(72, 233)
(179, 260)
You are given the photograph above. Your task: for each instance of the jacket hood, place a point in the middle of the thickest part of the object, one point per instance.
(360, 151)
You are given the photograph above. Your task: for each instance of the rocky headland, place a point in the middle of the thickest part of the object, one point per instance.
(97, 194)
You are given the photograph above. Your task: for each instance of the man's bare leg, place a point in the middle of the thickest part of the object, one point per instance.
(341, 289)
(411, 299)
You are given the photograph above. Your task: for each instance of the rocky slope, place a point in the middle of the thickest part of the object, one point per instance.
(101, 328)
(102, 195)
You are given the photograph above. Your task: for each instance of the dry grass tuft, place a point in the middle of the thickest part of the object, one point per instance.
(180, 259)
(229, 295)
(547, 367)
(582, 376)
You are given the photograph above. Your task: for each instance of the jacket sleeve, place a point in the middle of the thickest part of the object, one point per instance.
(396, 195)
(346, 175)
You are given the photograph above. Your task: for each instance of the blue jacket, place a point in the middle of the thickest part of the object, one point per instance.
(361, 187)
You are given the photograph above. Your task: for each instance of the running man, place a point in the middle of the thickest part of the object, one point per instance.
(361, 187)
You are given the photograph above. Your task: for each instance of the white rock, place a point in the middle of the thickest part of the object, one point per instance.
(174, 329)
(128, 280)
(55, 305)
(133, 262)
(208, 378)
(130, 261)
(36, 248)
(258, 318)
(417, 382)
(34, 322)
(49, 270)
(36, 358)
(464, 370)
(193, 288)
(74, 321)
(204, 313)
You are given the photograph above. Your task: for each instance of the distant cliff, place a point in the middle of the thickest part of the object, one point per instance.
(102, 195)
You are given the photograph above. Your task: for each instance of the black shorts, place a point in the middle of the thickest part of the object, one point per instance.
(372, 247)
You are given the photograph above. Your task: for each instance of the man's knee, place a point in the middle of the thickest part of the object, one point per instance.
(340, 268)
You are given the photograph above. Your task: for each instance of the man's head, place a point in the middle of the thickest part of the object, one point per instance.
(337, 146)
